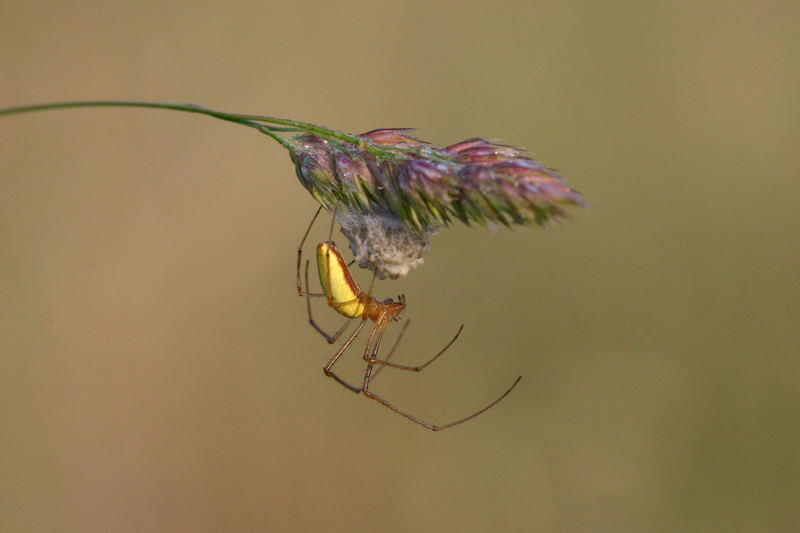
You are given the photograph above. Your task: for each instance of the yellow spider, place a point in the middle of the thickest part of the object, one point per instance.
(346, 298)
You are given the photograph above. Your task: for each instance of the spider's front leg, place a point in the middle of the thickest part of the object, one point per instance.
(300, 256)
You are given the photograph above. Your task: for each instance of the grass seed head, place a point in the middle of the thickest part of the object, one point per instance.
(392, 190)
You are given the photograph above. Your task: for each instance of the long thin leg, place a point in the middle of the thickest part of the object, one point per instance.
(368, 394)
(385, 362)
(330, 373)
(371, 350)
(333, 219)
(300, 254)
(330, 338)
(391, 351)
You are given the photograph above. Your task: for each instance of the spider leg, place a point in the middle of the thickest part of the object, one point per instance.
(300, 255)
(372, 359)
(330, 373)
(422, 423)
(373, 343)
(391, 352)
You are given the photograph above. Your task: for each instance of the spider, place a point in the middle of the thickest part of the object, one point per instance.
(346, 298)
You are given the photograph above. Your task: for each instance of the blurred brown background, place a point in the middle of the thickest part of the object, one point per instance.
(156, 369)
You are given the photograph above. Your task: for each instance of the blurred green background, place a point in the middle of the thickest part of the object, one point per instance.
(156, 369)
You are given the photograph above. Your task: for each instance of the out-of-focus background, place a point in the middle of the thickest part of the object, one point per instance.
(157, 372)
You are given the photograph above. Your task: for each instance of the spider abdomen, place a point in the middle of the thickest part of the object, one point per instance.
(337, 283)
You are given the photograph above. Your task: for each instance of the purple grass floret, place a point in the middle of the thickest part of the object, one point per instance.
(424, 186)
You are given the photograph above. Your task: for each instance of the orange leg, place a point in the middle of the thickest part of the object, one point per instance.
(300, 255)
(370, 354)
(385, 362)
(328, 368)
